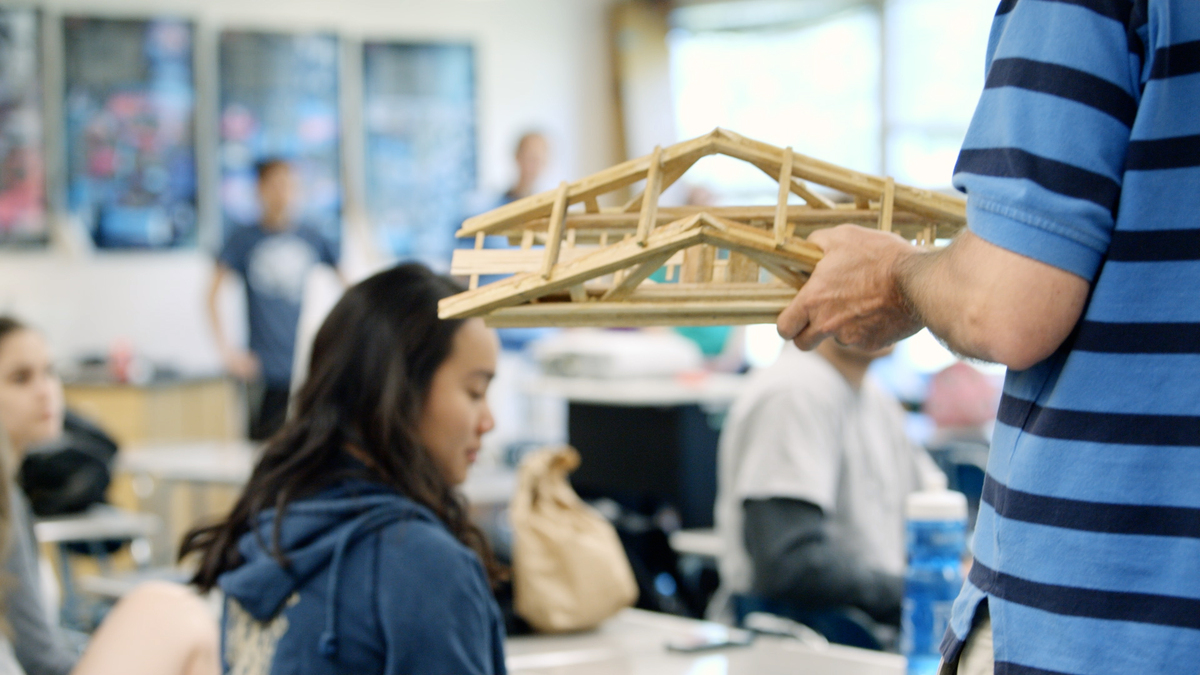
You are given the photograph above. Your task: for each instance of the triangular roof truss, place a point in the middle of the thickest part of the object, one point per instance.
(723, 265)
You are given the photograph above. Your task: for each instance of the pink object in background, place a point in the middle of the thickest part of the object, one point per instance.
(961, 396)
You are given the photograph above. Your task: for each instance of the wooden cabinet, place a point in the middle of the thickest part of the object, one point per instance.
(177, 410)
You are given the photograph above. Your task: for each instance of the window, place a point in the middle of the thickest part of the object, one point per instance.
(875, 85)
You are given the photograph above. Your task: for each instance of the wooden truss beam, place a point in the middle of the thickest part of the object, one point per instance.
(613, 178)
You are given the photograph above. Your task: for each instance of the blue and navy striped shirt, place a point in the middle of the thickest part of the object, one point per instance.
(1084, 153)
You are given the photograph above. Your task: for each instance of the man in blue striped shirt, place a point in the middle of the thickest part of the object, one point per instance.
(1081, 272)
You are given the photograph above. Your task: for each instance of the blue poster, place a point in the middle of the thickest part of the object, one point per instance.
(419, 115)
(130, 114)
(22, 169)
(279, 99)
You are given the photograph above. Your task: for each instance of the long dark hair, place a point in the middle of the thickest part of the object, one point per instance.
(10, 325)
(372, 363)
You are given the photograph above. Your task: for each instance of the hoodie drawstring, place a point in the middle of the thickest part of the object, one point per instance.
(363, 524)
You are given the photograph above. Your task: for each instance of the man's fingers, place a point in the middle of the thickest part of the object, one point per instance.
(793, 318)
(819, 236)
(809, 338)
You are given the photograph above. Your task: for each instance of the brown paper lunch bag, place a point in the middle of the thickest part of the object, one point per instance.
(570, 572)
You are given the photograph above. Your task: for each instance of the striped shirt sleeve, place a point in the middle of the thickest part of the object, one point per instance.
(1043, 158)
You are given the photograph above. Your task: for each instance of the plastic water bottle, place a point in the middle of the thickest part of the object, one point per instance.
(937, 523)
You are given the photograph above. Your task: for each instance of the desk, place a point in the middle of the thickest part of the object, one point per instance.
(99, 523)
(632, 644)
(157, 470)
(94, 527)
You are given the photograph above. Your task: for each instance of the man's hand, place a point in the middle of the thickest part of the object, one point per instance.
(853, 295)
(241, 364)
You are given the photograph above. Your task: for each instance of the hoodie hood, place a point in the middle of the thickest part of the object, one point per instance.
(316, 533)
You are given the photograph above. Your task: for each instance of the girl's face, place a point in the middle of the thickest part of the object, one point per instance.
(456, 415)
(31, 398)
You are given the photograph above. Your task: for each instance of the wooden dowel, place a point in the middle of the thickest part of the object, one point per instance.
(608, 180)
(591, 205)
(811, 198)
(650, 203)
(944, 208)
(887, 204)
(554, 239)
(473, 283)
(632, 278)
(785, 189)
(742, 268)
(697, 264)
(670, 174)
(527, 240)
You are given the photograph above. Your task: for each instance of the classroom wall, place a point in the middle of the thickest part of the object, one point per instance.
(541, 64)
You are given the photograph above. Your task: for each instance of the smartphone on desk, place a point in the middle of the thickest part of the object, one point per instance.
(709, 637)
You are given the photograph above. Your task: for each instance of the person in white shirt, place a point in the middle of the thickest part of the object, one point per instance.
(814, 467)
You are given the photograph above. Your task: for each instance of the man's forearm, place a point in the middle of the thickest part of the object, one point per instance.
(989, 303)
(925, 281)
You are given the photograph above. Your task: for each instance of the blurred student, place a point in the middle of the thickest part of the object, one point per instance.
(814, 467)
(531, 154)
(962, 404)
(273, 258)
(185, 635)
(350, 549)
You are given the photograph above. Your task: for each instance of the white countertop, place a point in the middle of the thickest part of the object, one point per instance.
(633, 643)
(711, 390)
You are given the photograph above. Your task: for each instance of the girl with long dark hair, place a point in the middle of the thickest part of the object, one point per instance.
(350, 549)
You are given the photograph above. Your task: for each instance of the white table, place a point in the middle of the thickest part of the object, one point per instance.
(100, 522)
(632, 643)
(712, 391)
(229, 464)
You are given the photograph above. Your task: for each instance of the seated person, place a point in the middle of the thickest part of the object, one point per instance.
(350, 549)
(185, 635)
(962, 404)
(814, 468)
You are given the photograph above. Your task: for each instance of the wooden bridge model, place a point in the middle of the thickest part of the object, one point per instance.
(590, 266)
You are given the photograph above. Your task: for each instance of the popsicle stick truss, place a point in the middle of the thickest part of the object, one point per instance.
(590, 266)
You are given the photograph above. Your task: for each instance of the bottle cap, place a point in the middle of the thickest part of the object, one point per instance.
(936, 505)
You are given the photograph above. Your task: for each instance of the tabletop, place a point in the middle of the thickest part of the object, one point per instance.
(633, 643)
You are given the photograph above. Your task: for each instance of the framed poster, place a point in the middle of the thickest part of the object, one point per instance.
(129, 104)
(279, 99)
(419, 118)
(22, 166)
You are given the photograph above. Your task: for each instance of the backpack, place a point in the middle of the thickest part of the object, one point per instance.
(70, 473)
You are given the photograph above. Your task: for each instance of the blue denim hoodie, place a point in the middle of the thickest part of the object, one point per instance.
(375, 583)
